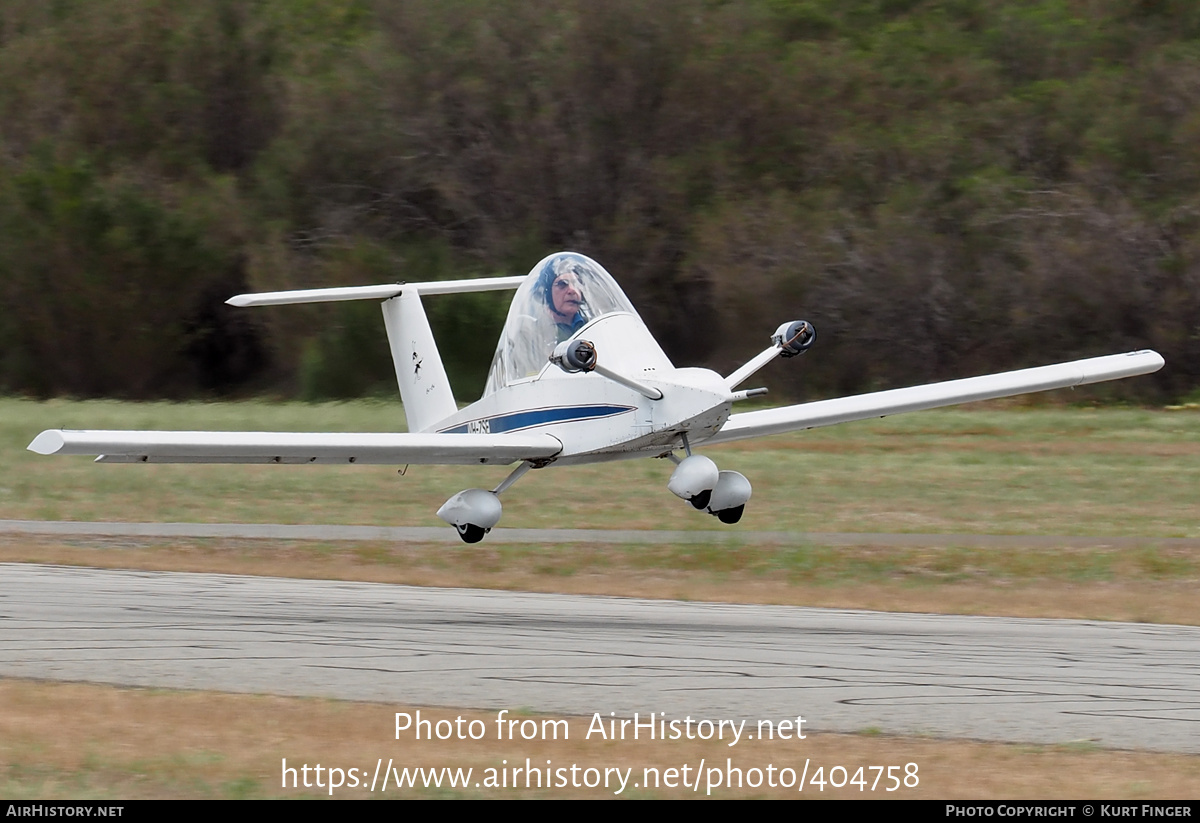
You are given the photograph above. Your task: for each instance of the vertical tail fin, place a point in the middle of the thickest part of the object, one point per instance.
(424, 387)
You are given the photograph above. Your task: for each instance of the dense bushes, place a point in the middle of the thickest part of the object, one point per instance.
(942, 188)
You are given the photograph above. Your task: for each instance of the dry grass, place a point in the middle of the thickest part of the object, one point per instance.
(83, 741)
(1147, 585)
(1014, 471)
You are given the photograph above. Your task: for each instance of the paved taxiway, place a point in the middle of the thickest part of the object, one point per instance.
(1123, 685)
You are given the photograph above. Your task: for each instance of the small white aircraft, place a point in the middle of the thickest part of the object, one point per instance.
(576, 378)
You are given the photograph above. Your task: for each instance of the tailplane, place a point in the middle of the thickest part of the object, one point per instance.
(424, 387)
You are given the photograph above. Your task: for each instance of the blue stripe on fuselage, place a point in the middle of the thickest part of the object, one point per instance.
(536, 417)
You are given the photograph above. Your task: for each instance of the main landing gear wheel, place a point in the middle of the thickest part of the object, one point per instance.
(731, 516)
(471, 533)
(472, 512)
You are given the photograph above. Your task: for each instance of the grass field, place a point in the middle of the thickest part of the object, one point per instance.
(1036, 471)
(1128, 473)
(1099, 472)
(72, 740)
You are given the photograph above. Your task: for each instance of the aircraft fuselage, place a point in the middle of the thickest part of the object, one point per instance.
(597, 419)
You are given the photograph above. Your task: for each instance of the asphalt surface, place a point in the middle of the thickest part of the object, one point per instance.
(1043, 681)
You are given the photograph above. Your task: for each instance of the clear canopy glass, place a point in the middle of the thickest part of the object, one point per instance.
(563, 293)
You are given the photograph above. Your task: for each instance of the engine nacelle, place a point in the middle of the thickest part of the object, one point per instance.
(473, 512)
(574, 356)
(694, 479)
(794, 338)
(729, 497)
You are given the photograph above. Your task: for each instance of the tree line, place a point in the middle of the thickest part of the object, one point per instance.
(942, 188)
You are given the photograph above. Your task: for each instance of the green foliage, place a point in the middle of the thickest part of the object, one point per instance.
(106, 282)
(944, 188)
(349, 356)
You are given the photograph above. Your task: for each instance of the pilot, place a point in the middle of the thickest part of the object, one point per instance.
(562, 290)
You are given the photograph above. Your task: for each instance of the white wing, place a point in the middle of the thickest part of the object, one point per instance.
(933, 395)
(297, 447)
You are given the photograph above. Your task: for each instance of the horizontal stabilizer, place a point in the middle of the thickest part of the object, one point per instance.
(297, 447)
(384, 292)
(933, 395)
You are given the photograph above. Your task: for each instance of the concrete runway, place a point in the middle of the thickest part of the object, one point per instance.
(1046, 681)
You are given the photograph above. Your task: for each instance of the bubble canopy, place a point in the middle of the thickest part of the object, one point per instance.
(560, 296)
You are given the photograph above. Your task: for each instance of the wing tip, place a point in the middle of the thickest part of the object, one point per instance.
(1154, 359)
(50, 441)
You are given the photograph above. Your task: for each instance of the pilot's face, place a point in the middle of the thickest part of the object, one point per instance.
(567, 296)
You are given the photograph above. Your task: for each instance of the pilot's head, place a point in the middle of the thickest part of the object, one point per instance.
(562, 286)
